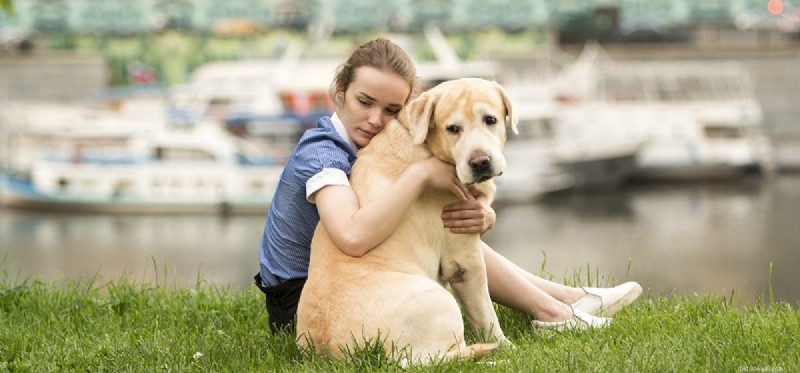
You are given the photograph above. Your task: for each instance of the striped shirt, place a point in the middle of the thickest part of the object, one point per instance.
(323, 156)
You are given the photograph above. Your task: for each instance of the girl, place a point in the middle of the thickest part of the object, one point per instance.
(369, 90)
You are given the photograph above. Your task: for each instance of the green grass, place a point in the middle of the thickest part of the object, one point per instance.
(129, 326)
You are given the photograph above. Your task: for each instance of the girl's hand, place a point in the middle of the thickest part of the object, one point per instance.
(473, 215)
(442, 175)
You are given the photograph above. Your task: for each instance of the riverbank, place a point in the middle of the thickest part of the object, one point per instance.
(128, 326)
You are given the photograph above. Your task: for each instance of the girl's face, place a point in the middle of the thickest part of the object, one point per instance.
(373, 98)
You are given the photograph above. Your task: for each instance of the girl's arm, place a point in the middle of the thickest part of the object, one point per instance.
(357, 229)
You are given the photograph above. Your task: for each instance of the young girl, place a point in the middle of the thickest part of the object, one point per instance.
(369, 90)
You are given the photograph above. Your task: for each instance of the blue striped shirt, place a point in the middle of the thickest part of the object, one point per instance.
(323, 156)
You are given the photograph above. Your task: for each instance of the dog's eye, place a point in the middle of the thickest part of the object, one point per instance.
(490, 120)
(454, 129)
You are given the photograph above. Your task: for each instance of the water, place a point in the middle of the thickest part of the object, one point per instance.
(704, 238)
(711, 238)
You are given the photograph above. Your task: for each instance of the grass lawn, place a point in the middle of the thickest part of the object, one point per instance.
(127, 326)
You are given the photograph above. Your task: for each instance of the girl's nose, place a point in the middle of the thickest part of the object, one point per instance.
(375, 117)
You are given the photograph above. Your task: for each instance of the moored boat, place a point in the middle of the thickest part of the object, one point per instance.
(697, 119)
(200, 169)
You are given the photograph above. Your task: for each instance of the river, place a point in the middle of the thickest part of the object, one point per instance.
(717, 238)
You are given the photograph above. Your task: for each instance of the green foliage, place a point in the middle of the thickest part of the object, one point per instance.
(7, 6)
(173, 54)
(133, 327)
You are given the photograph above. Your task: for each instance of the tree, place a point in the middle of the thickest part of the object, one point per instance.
(7, 6)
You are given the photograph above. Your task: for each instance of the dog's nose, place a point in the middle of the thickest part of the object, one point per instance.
(481, 165)
(480, 162)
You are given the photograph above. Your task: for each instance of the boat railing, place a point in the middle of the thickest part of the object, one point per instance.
(678, 81)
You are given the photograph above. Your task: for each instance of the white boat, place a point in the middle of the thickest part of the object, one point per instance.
(274, 100)
(31, 129)
(695, 119)
(549, 156)
(597, 166)
(446, 65)
(530, 173)
(198, 169)
(286, 90)
(530, 170)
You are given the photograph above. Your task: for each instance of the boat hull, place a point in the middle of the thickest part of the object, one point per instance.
(18, 192)
(601, 172)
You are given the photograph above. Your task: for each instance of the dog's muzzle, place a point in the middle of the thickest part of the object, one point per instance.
(481, 168)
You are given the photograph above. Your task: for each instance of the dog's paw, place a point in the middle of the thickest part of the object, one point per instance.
(506, 343)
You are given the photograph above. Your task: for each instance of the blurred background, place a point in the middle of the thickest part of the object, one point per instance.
(658, 140)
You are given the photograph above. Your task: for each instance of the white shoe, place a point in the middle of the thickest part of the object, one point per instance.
(608, 301)
(580, 321)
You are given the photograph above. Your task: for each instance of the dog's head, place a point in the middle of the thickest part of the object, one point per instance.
(463, 123)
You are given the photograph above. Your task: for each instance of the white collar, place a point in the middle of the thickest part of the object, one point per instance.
(339, 127)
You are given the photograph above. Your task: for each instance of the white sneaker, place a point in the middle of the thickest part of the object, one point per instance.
(608, 301)
(580, 321)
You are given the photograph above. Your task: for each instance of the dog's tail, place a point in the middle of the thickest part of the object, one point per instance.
(456, 353)
(473, 351)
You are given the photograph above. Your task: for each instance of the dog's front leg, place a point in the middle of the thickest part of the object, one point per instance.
(466, 273)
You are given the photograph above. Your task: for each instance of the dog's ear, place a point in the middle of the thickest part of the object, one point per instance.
(419, 116)
(512, 116)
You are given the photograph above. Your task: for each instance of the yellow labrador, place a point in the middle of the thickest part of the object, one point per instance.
(395, 294)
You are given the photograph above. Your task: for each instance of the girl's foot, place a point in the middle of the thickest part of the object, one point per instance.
(579, 321)
(607, 301)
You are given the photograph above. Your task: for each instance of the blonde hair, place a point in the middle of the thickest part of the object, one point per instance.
(381, 54)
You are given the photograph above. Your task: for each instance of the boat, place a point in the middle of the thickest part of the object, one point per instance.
(288, 90)
(695, 119)
(178, 162)
(30, 129)
(530, 171)
(446, 65)
(597, 166)
(550, 156)
(191, 169)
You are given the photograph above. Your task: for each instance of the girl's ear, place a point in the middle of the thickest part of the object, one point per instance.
(338, 98)
(419, 115)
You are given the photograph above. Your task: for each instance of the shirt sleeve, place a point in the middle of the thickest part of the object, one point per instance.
(321, 162)
(328, 176)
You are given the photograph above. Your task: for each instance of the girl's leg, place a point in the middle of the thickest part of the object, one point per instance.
(564, 293)
(512, 287)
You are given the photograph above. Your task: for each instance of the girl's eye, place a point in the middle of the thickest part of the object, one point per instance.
(490, 120)
(454, 129)
(364, 103)
(393, 112)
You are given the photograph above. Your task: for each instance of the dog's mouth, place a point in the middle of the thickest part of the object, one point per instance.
(481, 179)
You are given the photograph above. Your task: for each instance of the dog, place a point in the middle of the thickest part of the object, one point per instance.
(395, 294)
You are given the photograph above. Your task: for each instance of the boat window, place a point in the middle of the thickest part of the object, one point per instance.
(123, 188)
(692, 88)
(669, 90)
(217, 107)
(182, 154)
(257, 186)
(722, 132)
(539, 128)
(619, 88)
